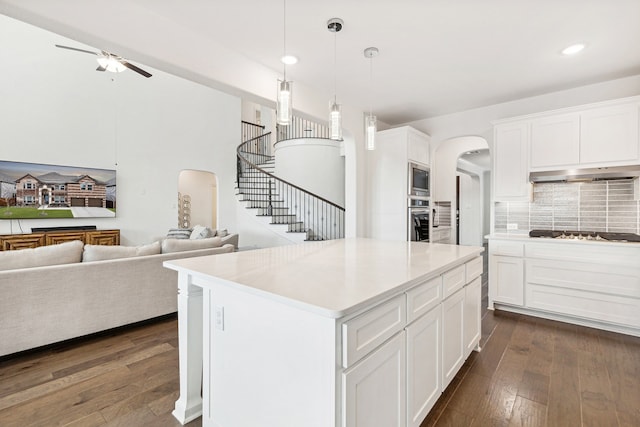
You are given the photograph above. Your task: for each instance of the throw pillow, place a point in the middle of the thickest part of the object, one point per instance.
(222, 233)
(201, 232)
(104, 252)
(179, 233)
(177, 245)
(63, 253)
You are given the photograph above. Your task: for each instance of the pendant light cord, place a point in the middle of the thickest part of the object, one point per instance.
(284, 37)
(371, 83)
(335, 67)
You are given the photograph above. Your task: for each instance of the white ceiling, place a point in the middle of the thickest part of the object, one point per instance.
(436, 56)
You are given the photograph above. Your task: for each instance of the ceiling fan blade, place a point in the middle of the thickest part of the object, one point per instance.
(76, 49)
(134, 68)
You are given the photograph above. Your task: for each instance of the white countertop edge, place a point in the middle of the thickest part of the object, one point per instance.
(206, 281)
(526, 238)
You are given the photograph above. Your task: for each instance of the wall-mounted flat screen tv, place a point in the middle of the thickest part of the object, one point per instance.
(38, 191)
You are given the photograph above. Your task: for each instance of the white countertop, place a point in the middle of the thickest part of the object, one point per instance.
(526, 238)
(333, 278)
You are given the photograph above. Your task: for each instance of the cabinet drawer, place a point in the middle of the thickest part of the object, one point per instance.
(367, 331)
(473, 269)
(453, 280)
(588, 305)
(423, 298)
(499, 247)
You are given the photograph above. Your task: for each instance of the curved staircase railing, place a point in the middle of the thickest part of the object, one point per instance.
(296, 208)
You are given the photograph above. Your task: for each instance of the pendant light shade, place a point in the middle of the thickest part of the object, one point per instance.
(284, 108)
(335, 122)
(370, 121)
(370, 129)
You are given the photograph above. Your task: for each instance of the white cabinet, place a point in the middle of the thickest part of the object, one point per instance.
(417, 146)
(374, 388)
(506, 272)
(506, 280)
(510, 168)
(452, 336)
(441, 235)
(555, 141)
(609, 134)
(388, 175)
(423, 365)
(472, 310)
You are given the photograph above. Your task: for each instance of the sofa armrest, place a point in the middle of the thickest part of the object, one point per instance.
(231, 239)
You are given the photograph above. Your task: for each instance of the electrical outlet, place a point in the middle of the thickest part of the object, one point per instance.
(512, 226)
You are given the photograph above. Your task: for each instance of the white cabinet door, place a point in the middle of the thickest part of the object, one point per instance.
(374, 389)
(506, 280)
(452, 334)
(417, 147)
(609, 135)
(510, 163)
(423, 365)
(555, 141)
(472, 301)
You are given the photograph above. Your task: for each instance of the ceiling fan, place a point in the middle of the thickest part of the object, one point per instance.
(110, 62)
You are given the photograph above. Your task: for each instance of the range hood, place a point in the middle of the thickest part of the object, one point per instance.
(589, 174)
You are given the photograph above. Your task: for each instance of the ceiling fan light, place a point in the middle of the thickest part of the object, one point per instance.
(111, 64)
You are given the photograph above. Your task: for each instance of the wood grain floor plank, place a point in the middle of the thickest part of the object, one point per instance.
(528, 413)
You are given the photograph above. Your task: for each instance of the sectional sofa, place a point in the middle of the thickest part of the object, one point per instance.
(55, 293)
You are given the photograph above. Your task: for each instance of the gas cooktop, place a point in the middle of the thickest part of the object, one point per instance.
(586, 235)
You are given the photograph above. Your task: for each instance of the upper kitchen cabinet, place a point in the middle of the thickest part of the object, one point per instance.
(417, 146)
(510, 171)
(555, 141)
(610, 134)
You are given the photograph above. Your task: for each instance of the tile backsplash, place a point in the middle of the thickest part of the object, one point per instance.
(589, 206)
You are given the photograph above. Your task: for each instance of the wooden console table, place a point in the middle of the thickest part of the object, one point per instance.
(10, 242)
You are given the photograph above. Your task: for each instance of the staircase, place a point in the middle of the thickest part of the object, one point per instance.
(287, 209)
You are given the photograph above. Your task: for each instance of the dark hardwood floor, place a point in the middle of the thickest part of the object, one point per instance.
(531, 372)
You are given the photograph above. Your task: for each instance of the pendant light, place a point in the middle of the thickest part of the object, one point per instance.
(370, 122)
(284, 107)
(334, 25)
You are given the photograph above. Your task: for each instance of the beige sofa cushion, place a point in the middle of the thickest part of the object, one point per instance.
(179, 245)
(64, 253)
(105, 252)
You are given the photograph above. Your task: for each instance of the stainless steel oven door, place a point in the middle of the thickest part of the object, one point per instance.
(418, 224)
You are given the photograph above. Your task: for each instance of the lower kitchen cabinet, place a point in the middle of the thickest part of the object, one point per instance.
(452, 336)
(472, 310)
(423, 365)
(374, 388)
(506, 280)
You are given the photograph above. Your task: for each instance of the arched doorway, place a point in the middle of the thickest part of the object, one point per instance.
(198, 192)
(445, 167)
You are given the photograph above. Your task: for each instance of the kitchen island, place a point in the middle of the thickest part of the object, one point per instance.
(349, 332)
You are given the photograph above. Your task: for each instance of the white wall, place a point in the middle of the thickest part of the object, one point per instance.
(202, 189)
(56, 109)
(313, 164)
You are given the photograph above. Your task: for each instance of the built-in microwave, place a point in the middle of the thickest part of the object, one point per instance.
(419, 182)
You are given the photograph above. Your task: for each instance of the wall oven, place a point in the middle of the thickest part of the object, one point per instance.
(418, 220)
(419, 182)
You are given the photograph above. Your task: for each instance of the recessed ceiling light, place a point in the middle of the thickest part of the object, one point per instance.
(289, 59)
(573, 49)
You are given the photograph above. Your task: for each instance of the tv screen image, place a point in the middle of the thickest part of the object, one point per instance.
(39, 191)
